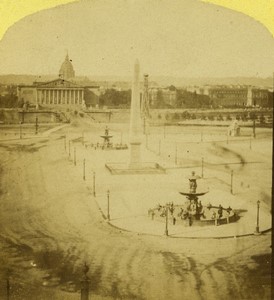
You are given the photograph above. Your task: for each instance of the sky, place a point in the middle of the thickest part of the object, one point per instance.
(180, 38)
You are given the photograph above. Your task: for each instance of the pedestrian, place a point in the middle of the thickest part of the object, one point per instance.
(220, 211)
(174, 220)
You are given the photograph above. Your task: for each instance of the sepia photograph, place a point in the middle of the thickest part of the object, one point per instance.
(136, 146)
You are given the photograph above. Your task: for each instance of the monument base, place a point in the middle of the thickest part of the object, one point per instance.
(135, 168)
(135, 155)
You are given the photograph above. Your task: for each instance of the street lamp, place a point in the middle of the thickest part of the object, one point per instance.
(74, 159)
(231, 184)
(202, 167)
(94, 193)
(85, 284)
(257, 231)
(20, 130)
(166, 230)
(159, 150)
(36, 125)
(108, 216)
(84, 169)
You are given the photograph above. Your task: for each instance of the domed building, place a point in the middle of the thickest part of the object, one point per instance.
(66, 70)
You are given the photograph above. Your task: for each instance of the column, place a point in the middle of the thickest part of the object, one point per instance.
(80, 100)
(73, 96)
(78, 97)
(36, 98)
(58, 97)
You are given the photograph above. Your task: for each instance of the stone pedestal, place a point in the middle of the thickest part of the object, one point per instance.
(135, 156)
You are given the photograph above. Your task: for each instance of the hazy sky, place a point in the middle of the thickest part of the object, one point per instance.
(175, 38)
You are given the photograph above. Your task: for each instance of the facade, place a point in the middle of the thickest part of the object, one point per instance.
(66, 71)
(168, 96)
(233, 95)
(52, 93)
(59, 92)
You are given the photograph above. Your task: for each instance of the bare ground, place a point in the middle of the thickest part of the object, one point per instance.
(49, 218)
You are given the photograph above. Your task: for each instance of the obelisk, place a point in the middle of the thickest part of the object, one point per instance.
(135, 121)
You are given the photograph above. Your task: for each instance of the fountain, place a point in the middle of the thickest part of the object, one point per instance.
(107, 137)
(107, 144)
(193, 212)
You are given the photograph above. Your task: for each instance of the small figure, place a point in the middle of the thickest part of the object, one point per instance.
(220, 211)
(174, 220)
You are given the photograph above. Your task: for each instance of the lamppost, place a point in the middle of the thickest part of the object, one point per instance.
(94, 175)
(36, 125)
(8, 284)
(250, 143)
(74, 157)
(69, 148)
(159, 150)
(166, 230)
(84, 169)
(108, 216)
(254, 128)
(65, 142)
(202, 167)
(257, 231)
(231, 183)
(20, 130)
(85, 284)
(175, 154)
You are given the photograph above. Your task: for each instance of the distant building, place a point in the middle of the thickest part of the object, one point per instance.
(169, 96)
(59, 92)
(56, 92)
(228, 96)
(66, 71)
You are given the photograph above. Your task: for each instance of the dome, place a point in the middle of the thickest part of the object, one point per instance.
(66, 70)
